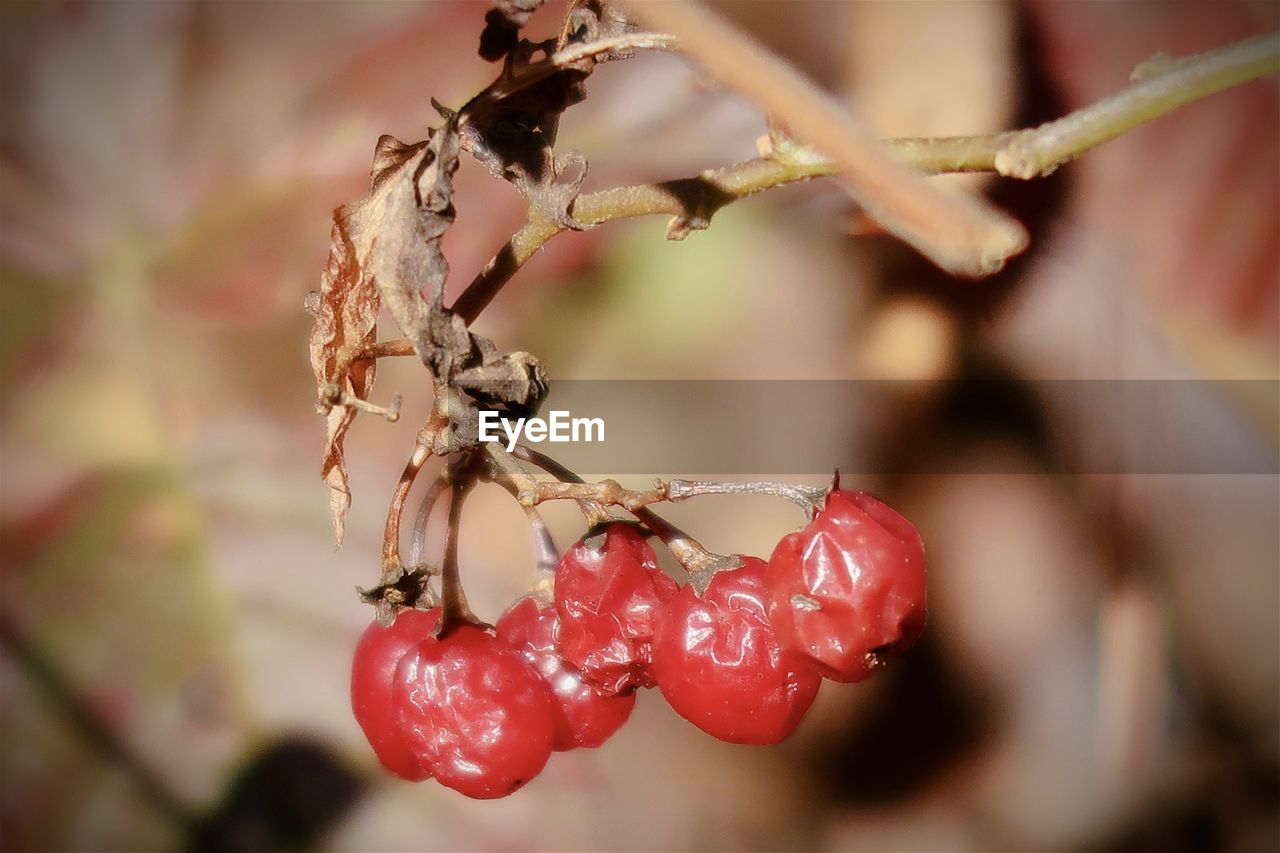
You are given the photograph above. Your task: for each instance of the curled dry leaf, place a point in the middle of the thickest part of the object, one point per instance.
(511, 126)
(408, 215)
(345, 310)
(502, 25)
(400, 588)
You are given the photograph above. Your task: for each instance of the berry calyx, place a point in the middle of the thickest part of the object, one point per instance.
(478, 716)
(584, 718)
(611, 597)
(373, 672)
(719, 664)
(847, 592)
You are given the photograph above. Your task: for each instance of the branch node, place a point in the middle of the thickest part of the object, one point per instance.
(1019, 158)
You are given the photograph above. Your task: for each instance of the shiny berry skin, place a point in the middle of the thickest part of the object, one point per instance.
(583, 717)
(372, 672)
(719, 664)
(476, 713)
(610, 597)
(848, 591)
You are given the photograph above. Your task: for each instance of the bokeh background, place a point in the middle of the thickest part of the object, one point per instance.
(1101, 666)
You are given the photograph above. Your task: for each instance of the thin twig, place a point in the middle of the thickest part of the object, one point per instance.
(454, 609)
(694, 200)
(384, 349)
(391, 531)
(808, 498)
(688, 551)
(334, 395)
(569, 56)
(611, 493)
(433, 438)
(510, 473)
(548, 553)
(962, 234)
(608, 492)
(418, 539)
(1160, 89)
(544, 542)
(696, 559)
(626, 41)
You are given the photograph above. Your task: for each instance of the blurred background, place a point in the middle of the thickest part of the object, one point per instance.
(1101, 667)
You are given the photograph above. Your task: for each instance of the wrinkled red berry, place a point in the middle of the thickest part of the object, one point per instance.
(373, 671)
(720, 666)
(848, 591)
(610, 597)
(583, 717)
(475, 712)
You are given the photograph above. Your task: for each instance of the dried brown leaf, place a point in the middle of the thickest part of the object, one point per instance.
(511, 126)
(345, 312)
(502, 26)
(414, 209)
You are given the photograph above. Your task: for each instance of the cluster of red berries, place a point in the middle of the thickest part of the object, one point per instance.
(482, 711)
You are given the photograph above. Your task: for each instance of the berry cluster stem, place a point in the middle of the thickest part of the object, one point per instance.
(391, 532)
(700, 563)
(418, 540)
(455, 611)
(610, 493)
(544, 543)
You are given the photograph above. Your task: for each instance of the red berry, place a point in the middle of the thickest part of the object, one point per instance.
(583, 717)
(475, 711)
(848, 591)
(610, 597)
(720, 665)
(372, 674)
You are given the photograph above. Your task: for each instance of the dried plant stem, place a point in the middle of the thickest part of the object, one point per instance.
(418, 540)
(335, 395)
(512, 475)
(391, 532)
(606, 492)
(544, 543)
(808, 498)
(695, 200)
(571, 56)
(700, 563)
(674, 537)
(454, 609)
(611, 493)
(962, 234)
(383, 349)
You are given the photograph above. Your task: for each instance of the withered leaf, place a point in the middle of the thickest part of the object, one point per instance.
(401, 588)
(406, 260)
(345, 312)
(511, 126)
(502, 26)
